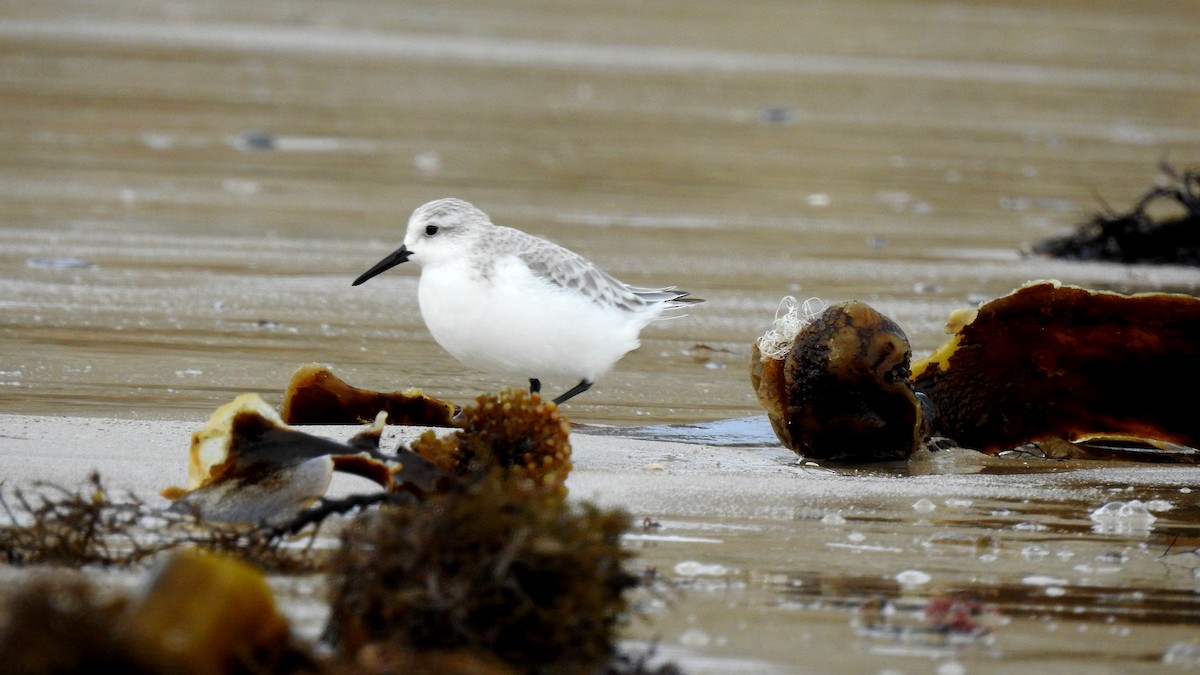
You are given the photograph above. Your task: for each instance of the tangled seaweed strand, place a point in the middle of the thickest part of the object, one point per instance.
(495, 572)
(60, 622)
(516, 431)
(487, 568)
(58, 526)
(327, 507)
(1136, 237)
(520, 434)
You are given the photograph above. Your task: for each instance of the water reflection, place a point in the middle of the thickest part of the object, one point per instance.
(999, 589)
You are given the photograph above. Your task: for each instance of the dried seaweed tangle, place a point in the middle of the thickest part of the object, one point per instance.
(516, 431)
(491, 571)
(487, 568)
(53, 525)
(1136, 236)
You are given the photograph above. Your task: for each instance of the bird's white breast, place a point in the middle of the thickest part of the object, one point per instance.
(508, 321)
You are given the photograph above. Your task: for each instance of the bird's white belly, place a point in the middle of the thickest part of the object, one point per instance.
(523, 326)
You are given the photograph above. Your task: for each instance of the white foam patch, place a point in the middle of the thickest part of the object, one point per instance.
(790, 319)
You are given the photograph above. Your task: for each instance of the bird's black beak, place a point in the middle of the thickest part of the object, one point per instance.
(400, 255)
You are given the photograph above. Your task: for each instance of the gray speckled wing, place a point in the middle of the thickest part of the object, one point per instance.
(571, 270)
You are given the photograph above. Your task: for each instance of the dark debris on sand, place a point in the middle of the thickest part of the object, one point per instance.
(494, 572)
(1138, 236)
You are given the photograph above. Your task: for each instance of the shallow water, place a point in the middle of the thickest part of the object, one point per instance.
(187, 190)
(791, 588)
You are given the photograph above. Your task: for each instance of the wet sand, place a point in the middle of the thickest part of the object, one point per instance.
(222, 173)
(186, 192)
(772, 559)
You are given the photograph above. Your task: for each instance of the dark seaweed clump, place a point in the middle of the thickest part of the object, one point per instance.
(1136, 236)
(489, 569)
(494, 571)
(53, 525)
(517, 432)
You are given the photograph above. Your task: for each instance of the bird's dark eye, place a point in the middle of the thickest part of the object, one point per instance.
(430, 230)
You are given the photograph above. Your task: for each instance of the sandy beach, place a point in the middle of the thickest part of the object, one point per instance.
(188, 190)
(790, 547)
(649, 477)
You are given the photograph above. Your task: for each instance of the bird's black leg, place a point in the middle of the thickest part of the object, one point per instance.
(535, 385)
(583, 386)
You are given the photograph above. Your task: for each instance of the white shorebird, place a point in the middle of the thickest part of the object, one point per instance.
(508, 303)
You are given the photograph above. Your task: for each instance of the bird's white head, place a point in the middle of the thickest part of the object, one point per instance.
(437, 231)
(442, 229)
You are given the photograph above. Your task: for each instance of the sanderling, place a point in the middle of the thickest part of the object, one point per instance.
(509, 303)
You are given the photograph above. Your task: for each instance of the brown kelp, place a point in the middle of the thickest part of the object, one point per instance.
(1048, 364)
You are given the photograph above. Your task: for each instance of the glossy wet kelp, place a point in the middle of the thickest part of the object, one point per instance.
(1047, 364)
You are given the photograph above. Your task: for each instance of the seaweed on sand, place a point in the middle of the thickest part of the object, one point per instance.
(53, 525)
(515, 432)
(1137, 236)
(488, 576)
(491, 570)
(488, 568)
